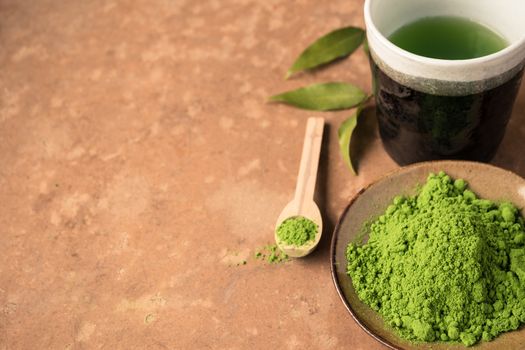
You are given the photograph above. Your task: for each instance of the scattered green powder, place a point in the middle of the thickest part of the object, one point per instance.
(444, 265)
(271, 253)
(297, 231)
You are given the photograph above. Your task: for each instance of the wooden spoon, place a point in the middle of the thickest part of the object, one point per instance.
(303, 203)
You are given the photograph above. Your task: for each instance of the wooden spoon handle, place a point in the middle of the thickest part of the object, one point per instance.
(304, 190)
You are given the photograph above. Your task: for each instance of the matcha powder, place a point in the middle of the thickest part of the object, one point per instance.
(444, 265)
(297, 231)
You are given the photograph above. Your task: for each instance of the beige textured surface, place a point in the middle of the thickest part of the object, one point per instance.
(139, 162)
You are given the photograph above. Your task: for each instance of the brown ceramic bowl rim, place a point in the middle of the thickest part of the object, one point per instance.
(343, 214)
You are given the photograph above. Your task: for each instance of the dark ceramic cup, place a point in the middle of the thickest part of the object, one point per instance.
(431, 109)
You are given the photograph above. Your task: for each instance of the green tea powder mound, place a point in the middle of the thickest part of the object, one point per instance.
(297, 231)
(444, 265)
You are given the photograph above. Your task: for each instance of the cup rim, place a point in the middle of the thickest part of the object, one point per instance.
(370, 26)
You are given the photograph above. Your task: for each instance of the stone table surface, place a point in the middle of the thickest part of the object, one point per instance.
(140, 165)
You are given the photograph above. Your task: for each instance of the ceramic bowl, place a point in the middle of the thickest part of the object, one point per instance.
(485, 180)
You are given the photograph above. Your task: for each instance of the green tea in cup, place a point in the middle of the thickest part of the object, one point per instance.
(446, 74)
(448, 38)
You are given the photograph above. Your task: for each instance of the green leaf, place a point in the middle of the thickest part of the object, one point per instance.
(345, 136)
(366, 48)
(323, 97)
(336, 44)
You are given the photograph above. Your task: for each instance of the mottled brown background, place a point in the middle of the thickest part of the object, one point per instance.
(139, 163)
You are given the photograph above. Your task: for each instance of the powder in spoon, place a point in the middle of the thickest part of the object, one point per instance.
(444, 265)
(297, 231)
